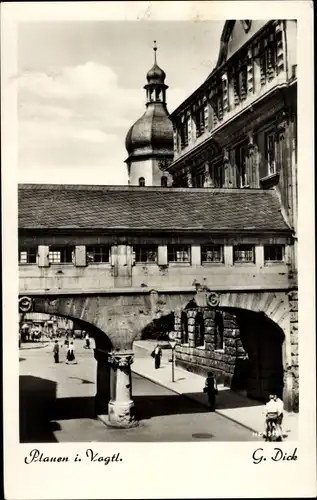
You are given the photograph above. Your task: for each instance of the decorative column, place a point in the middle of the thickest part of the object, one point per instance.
(210, 326)
(228, 170)
(253, 167)
(102, 397)
(189, 178)
(208, 181)
(121, 409)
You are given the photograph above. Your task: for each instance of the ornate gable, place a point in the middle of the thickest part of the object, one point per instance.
(234, 35)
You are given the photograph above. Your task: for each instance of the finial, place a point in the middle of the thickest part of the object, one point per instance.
(155, 49)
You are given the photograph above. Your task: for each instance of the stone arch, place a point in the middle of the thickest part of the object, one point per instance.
(274, 305)
(258, 344)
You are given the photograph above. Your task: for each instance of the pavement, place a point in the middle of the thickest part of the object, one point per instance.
(234, 406)
(57, 405)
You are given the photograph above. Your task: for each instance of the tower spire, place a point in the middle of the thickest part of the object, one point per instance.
(155, 49)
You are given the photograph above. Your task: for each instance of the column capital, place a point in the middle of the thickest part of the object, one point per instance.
(101, 355)
(120, 359)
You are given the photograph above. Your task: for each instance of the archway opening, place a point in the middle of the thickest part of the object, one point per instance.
(259, 370)
(53, 394)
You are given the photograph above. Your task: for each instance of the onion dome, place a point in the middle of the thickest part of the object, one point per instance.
(153, 132)
(156, 74)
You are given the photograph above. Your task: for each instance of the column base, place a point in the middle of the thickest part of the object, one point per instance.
(121, 415)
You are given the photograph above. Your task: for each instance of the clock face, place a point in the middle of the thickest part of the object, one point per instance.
(246, 25)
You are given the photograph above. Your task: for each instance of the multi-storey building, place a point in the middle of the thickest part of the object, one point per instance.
(214, 254)
(238, 130)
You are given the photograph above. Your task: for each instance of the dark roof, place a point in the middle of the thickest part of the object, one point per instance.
(161, 209)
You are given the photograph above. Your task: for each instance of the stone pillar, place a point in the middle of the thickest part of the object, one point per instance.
(291, 370)
(209, 322)
(191, 315)
(102, 397)
(253, 174)
(178, 325)
(121, 409)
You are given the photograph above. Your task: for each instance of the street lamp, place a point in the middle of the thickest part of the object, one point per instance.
(172, 343)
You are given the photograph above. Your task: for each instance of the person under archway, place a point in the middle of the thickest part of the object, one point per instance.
(70, 356)
(56, 351)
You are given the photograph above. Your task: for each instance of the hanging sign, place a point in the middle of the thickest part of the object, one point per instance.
(25, 304)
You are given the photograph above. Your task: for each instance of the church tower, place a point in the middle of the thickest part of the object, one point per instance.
(149, 141)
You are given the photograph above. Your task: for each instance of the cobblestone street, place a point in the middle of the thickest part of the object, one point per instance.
(57, 405)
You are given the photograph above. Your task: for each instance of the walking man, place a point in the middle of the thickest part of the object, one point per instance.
(56, 352)
(211, 389)
(157, 354)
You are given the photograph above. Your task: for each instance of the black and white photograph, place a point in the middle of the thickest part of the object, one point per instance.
(158, 235)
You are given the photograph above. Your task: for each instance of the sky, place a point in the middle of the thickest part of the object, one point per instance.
(80, 88)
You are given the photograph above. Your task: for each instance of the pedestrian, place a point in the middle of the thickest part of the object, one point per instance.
(56, 352)
(87, 338)
(157, 354)
(70, 356)
(211, 389)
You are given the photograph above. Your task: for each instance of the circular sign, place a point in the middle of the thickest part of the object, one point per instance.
(25, 304)
(213, 299)
(172, 335)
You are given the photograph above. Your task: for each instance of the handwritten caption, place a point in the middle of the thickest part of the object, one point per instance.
(90, 455)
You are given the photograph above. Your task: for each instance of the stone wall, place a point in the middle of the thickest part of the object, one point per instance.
(200, 360)
(293, 368)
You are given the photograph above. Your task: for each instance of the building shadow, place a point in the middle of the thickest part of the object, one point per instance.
(37, 397)
(226, 399)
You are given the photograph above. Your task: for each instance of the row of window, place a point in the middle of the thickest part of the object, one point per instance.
(148, 254)
(267, 55)
(239, 158)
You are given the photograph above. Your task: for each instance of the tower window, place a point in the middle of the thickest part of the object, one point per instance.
(164, 181)
(141, 181)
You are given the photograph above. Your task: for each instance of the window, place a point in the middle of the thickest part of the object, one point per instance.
(60, 255)
(273, 253)
(240, 85)
(164, 181)
(146, 254)
(270, 152)
(178, 253)
(200, 121)
(184, 325)
(141, 181)
(184, 133)
(219, 345)
(27, 255)
(240, 157)
(198, 180)
(216, 174)
(243, 253)
(268, 59)
(212, 253)
(97, 253)
(199, 330)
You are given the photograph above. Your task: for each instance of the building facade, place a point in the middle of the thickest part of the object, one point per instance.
(239, 130)
(203, 240)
